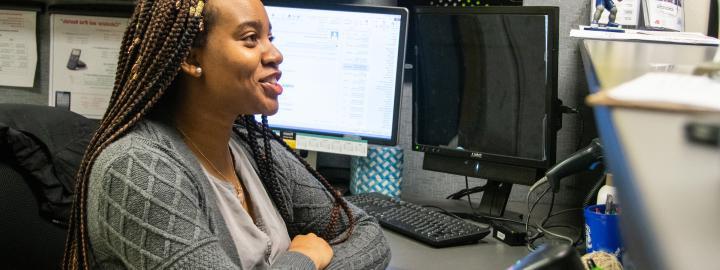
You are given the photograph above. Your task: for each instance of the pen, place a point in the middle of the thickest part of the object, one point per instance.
(591, 265)
(609, 205)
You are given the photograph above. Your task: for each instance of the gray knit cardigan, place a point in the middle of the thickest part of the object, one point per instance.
(150, 206)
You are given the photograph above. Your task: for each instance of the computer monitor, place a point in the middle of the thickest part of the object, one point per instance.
(485, 92)
(342, 70)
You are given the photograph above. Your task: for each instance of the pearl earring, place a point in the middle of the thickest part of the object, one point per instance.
(198, 70)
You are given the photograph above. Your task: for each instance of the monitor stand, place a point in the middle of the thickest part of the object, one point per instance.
(494, 199)
(492, 204)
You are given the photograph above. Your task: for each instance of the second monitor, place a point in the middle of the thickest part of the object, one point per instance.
(485, 93)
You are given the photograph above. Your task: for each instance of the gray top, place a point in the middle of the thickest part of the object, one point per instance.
(150, 206)
(258, 242)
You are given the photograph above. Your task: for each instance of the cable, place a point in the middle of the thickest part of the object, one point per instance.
(546, 231)
(529, 216)
(540, 232)
(540, 182)
(536, 203)
(594, 190)
(467, 186)
(465, 192)
(442, 210)
(580, 235)
(581, 121)
(540, 228)
(552, 204)
(577, 231)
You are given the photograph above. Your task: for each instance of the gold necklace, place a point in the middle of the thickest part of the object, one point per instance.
(238, 187)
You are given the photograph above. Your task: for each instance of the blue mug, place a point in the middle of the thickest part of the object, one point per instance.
(602, 232)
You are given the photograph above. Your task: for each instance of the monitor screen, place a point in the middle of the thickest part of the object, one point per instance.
(485, 83)
(342, 69)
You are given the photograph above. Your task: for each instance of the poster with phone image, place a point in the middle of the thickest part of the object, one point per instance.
(83, 60)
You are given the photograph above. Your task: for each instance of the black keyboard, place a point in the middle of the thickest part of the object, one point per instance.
(420, 223)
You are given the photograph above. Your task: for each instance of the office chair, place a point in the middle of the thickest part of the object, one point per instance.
(40, 150)
(29, 241)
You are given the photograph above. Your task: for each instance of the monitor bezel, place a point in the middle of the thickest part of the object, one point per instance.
(404, 17)
(551, 100)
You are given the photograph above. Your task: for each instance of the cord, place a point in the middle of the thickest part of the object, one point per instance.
(442, 210)
(546, 231)
(576, 231)
(580, 235)
(581, 121)
(594, 190)
(529, 216)
(467, 186)
(540, 234)
(541, 229)
(465, 192)
(552, 204)
(540, 182)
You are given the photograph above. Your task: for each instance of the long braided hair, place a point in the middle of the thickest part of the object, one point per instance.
(159, 37)
(265, 162)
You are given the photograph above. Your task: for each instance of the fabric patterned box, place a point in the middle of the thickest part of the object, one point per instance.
(380, 171)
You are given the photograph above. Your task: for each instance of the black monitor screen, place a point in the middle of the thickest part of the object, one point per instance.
(484, 84)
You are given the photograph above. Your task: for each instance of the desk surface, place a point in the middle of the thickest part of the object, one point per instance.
(487, 254)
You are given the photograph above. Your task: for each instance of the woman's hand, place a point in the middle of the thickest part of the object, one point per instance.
(316, 248)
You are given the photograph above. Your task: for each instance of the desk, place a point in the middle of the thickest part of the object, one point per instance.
(669, 188)
(408, 254)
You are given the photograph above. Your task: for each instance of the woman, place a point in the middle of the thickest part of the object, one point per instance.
(179, 174)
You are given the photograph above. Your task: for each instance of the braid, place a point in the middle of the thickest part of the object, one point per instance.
(267, 174)
(159, 36)
(161, 58)
(340, 203)
(131, 39)
(150, 79)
